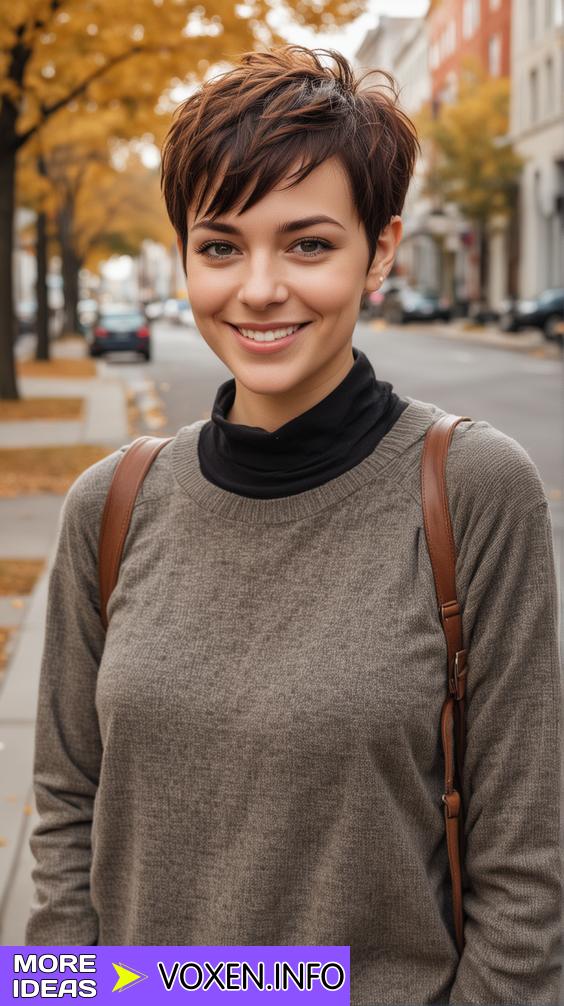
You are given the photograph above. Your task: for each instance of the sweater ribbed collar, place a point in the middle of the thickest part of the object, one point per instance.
(385, 462)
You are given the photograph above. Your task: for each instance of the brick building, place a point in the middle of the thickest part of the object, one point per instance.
(467, 28)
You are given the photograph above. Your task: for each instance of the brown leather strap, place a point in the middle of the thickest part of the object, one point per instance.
(442, 552)
(116, 518)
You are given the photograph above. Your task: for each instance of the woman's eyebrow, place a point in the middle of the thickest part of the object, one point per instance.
(291, 225)
(305, 222)
(216, 225)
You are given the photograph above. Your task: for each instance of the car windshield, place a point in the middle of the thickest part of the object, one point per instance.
(413, 298)
(550, 295)
(130, 319)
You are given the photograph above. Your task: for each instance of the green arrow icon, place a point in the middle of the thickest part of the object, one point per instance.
(126, 976)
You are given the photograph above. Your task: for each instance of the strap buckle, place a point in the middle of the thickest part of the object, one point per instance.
(457, 684)
(452, 803)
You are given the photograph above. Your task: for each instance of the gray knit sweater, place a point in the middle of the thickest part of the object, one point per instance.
(252, 755)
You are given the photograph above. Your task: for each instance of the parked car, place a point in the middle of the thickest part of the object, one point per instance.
(545, 311)
(119, 328)
(87, 313)
(371, 306)
(403, 303)
(154, 309)
(178, 311)
(26, 315)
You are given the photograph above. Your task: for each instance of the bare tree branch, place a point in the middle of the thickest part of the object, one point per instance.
(49, 110)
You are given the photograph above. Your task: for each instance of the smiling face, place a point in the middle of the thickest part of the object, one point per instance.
(276, 290)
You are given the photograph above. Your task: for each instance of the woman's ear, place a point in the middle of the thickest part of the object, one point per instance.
(385, 253)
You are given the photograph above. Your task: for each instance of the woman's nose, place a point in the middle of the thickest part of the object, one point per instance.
(262, 284)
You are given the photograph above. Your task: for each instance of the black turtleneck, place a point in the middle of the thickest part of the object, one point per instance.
(326, 441)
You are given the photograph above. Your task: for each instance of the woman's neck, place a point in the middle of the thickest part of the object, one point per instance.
(271, 411)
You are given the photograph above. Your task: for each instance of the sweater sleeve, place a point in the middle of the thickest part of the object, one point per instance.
(68, 748)
(512, 901)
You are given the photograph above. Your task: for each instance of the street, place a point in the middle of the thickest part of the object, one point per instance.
(518, 392)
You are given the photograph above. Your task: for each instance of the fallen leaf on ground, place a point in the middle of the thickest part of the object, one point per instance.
(62, 367)
(18, 576)
(26, 471)
(46, 409)
(5, 633)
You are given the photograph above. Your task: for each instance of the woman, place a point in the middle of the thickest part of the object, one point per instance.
(251, 755)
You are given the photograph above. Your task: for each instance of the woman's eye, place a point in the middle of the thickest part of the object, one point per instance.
(217, 250)
(311, 246)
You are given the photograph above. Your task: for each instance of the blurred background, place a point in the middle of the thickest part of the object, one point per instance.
(98, 343)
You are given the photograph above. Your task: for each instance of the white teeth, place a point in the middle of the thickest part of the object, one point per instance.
(271, 335)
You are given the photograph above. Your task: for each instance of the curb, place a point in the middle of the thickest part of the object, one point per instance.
(530, 341)
(17, 730)
(104, 422)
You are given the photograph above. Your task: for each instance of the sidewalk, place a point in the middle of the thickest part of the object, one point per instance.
(104, 421)
(531, 340)
(28, 529)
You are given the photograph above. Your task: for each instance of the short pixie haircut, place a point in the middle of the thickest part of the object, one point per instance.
(280, 114)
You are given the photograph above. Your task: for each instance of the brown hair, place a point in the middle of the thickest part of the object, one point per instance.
(283, 108)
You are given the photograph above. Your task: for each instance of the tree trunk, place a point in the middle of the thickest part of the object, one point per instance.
(42, 352)
(484, 263)
(8, 386)
(70, 268)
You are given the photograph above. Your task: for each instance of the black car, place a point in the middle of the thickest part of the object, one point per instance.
(121, 328)
(26, 316)
(403, 304)
(545, 311)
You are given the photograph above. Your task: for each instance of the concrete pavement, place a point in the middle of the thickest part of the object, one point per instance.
(28, 529)
(104, 420)
(529, 340)
(18, 700)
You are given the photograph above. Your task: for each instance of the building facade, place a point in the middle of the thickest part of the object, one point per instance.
(537, 132)
(434, 254)
(464, 30)
(520, 39)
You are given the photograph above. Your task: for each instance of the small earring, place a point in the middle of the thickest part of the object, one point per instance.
(381, 279)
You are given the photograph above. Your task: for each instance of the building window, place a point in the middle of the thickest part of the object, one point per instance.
(550, 86)
(533, 97)
(532, 9)
(450, 38)
(494, 55)
(470, 17)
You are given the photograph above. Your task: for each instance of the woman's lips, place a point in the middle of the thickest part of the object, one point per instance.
(275, 341)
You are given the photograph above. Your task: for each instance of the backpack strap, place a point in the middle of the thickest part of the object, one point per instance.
(442, 552)
(116, 518)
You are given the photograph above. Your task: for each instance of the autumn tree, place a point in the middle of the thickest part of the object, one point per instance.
(34, 193)
(98, 193)
(101, 210)
(471, 162)
(56, 55)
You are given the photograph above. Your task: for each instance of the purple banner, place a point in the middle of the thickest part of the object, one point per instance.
(150, 975)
